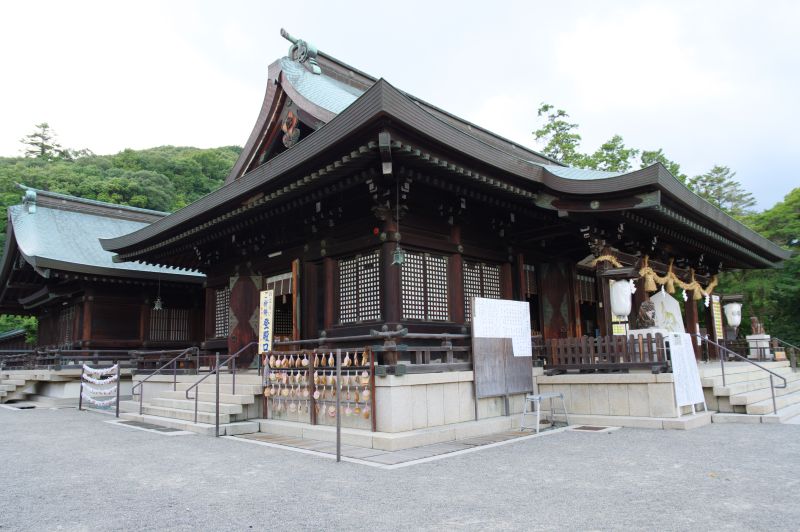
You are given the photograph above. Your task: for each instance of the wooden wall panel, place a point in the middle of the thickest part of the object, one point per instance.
(555, 293)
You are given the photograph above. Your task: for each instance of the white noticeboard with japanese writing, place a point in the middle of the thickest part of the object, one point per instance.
(266, 309)
(688, 388)
(503, 318)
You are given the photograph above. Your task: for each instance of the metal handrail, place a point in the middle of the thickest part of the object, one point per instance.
(759, 366)
(215, 371)
(172, 362)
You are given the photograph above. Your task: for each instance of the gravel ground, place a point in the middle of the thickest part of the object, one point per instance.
(68, 470)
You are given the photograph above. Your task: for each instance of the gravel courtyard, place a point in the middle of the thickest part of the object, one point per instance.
(70, 470)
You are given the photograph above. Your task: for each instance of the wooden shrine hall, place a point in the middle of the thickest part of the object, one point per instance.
(377, 217)
(54, 268)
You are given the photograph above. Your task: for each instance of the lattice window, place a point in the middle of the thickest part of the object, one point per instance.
(480, 280)
(587, 293)
(282, 320)
(531, 288)
(360, 288)
(169, 324)
(222, 304)
(423, 283)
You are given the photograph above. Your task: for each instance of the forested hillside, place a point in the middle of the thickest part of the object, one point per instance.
(164, 178)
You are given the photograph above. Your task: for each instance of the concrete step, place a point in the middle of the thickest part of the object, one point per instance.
(211, 397)
(742, 376)
(749, 386)
(187, 415)
(784, 414)
(209, 386)
(224, 408)
(713, 369)
(207, 429)
(764, 393)
(13, 382)
(765, 406)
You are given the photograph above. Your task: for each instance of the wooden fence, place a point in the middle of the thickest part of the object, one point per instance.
(606, 353)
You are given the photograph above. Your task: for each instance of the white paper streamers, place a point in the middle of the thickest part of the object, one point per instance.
(100, 382)
(95, 402)
(88, 392)
(99, 371)
(99, 391)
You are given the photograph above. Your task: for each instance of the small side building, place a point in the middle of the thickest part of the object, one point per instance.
(54, 268)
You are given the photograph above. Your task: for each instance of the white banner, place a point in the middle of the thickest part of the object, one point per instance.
(265, 325)
(688, 388)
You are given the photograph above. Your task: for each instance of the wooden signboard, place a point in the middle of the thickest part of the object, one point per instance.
(501, 348)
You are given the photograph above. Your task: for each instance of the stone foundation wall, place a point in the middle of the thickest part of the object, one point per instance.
(614, 394)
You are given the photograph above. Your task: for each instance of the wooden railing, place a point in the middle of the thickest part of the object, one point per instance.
(606, 353)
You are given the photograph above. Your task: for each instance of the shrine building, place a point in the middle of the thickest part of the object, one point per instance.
(377, 217)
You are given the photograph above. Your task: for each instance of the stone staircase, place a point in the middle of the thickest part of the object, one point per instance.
(746, 396)
(14, 388)
(168, 408)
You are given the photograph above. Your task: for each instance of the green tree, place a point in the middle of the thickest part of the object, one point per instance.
(773, 295)
(718, 187)
(611, 156)
(560, 137)
(42, 143)
(651, 157)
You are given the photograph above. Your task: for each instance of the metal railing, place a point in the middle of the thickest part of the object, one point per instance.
(793, 351)
(217, 365)
(184, 354)
(730, 353)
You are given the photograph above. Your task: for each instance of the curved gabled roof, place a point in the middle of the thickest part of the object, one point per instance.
(61, 232)
(383, 101)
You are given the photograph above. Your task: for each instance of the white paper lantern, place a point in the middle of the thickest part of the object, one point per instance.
(733, 314)
(620, 298)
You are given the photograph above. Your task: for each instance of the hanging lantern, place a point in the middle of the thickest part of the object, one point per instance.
(399, 256)
(620, 296)
(733, 314)
(158, 304)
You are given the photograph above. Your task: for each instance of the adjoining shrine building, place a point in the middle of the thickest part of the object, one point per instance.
(344, 176)
(54, 268)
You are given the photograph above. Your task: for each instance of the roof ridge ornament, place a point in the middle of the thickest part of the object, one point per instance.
(303, 52)
(29, 201)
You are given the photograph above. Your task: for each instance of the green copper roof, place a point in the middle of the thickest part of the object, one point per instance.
(322, 90)
(68, 240)
(582, 174)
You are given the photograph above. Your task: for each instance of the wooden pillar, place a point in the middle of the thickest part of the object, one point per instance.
(456, 278)
(144, 322)
(296, 299)
(604, 318)
(309, 286)
(88, 304)
(519, 277)
(507, 282)
(690, 321)
(329, 268)
(391, 276)
(576, 327)
(639, 297)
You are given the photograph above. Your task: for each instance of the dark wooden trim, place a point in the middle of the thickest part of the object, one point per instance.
(329, 282)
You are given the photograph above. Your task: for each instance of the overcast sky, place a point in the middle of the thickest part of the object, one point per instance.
(709, 82)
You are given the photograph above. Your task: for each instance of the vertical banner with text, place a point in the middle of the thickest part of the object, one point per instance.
(265, 328)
